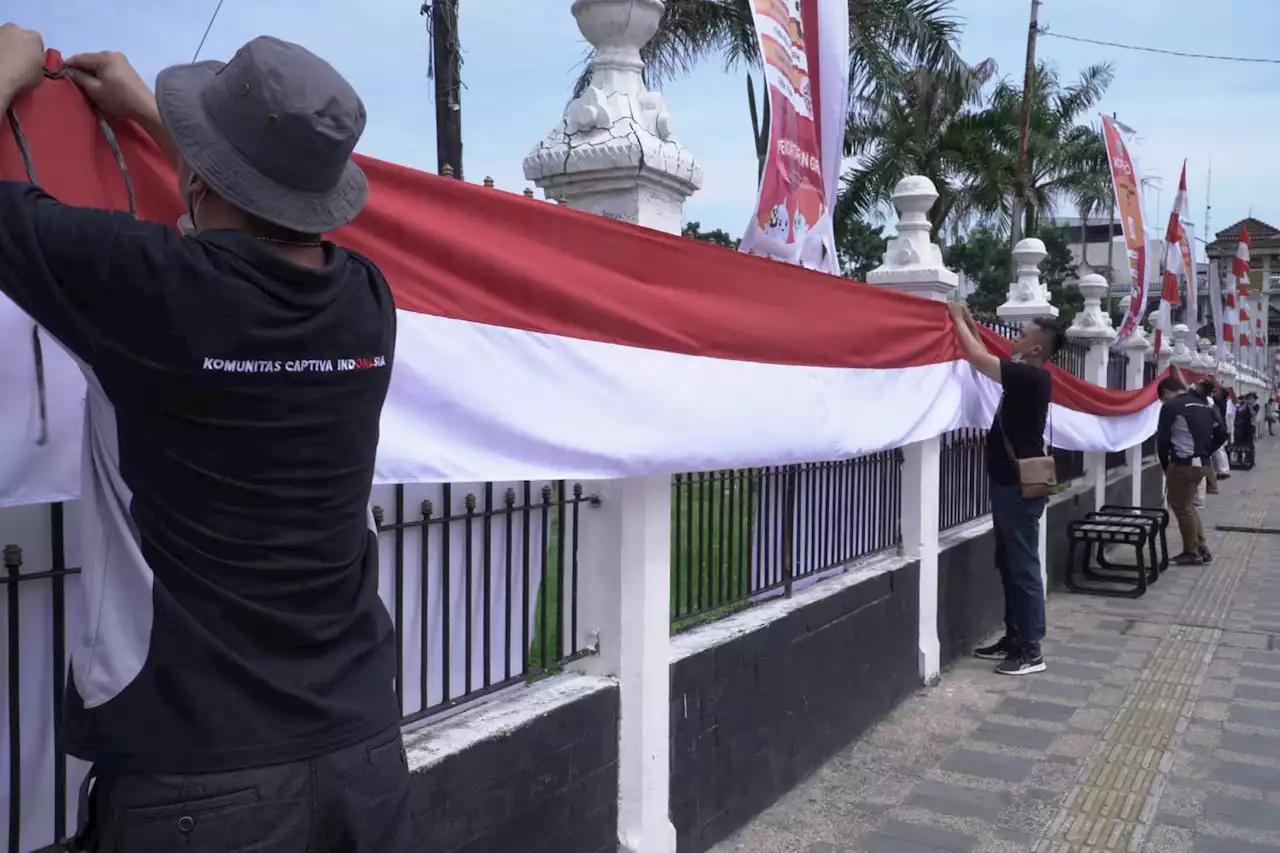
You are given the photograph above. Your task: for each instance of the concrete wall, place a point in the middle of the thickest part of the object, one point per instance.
(755, 714)
(534, 772)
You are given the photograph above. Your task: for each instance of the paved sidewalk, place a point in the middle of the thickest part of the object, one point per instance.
(1156, 727)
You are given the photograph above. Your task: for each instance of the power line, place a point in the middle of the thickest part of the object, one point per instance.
(213, 18)
(1163, 52)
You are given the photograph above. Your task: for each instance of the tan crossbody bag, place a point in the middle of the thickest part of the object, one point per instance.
(1037, 475)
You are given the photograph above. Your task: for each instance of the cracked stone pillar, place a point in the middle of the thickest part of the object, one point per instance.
(615, 152)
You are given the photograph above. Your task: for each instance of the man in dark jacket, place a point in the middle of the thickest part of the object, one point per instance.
(232, 681)
(1188, 433)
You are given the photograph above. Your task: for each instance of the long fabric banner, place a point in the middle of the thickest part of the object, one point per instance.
(1124, 178)
(805, 50)
(1215, 306)
(540, 343)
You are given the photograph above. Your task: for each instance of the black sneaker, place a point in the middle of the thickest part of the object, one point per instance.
(1187, 559)
(1021, 664)
(998, 650)
(1224, 476)
(1205, 556)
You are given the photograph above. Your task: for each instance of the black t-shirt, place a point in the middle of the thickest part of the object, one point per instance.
(1024, 406)
(229, 569)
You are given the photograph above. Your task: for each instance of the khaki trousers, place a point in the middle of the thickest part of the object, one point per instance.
(1183, 480)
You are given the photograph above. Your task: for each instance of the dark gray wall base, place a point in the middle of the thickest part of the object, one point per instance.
(752, 717)
(970, 598)
(548, 787)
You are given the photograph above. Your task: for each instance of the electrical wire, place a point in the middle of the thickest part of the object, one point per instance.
(213, 18)
(1162, 51)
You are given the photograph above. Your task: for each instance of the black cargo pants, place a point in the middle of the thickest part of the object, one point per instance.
(352, 800)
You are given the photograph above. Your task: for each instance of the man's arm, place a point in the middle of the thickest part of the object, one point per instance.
(112, 83)
(975, 351)
(1164, 434)
(1219, 436)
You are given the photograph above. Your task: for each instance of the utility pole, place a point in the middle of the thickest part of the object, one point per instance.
(446, 69)
(1020, 173)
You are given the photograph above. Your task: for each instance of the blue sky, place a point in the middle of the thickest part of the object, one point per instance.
(522, 56)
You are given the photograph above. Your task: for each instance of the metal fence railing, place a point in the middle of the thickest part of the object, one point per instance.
(964, 488)
(483, 589)
(481, 585)
(1117, 370)
(740, 535)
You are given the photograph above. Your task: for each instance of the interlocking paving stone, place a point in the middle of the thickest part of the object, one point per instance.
(1251, 744)
(1213, 844)
(1031, 709)
(1257, 693)
(1247, 776)
(1084, 653)
(1079, 671)
(1250, 814)
(1059, 690)
(959, 801)
(1260, 673)
(989, 765)
(895, 836)
(1262, 718)
(1019, 736)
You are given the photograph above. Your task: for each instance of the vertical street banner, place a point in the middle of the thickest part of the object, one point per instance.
(804, 45)
(1124, 178)
(1215, 307)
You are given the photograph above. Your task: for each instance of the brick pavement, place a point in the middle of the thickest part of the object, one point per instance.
(1156, 728)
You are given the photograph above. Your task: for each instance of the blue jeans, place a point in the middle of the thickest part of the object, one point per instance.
(1017, 530)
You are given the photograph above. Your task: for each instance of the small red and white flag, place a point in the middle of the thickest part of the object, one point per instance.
(1240, 275)
(1174, 267)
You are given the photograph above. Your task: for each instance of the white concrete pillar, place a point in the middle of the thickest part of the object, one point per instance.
(1136, 347)
(1183, 339)
(614, 153)
(1092, 327)
(913, 264)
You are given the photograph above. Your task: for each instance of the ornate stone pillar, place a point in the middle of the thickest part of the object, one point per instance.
(1092, 327)
(615, 151)
(913, 264)
(1136, 347)
(1028, 297)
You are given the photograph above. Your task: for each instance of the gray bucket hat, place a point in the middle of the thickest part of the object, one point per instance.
(272, 132)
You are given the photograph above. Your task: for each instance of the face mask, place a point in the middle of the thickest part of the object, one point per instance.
(1016, 358)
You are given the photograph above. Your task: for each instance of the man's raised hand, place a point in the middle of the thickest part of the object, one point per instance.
(111, 83)
(21, 62)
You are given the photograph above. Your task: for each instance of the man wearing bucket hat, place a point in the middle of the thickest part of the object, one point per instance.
(232, 676)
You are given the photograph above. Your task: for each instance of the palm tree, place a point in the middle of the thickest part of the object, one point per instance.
(1062, 155)
(925, 129)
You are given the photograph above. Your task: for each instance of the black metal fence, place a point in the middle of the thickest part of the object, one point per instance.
(1149, 373)
(740, 535)
(481, 585)
(483, 588)
(964, 490)
(1117, 370)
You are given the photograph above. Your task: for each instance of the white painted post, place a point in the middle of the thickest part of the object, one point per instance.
(1136, 346)
(913, 264)
(1092, 327)
(614, 152)
(1182, 346)
(1028, 299)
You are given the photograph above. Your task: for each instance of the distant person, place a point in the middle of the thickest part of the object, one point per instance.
(1017, 432)
(1187, 435)
(1272, 416)
(1245, 431)
(1219, 467)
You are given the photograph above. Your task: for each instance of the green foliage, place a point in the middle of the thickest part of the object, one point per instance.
(860, 248)
(718, 236)
(983, 256)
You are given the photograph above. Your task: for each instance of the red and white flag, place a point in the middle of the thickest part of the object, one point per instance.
(1240, 274)
(580, 347)
(1174, 264)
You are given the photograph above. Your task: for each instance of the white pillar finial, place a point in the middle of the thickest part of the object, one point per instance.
(1091, 323)
(1028, 297)
(615, 152)
(1181, 355)
(912, 261)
